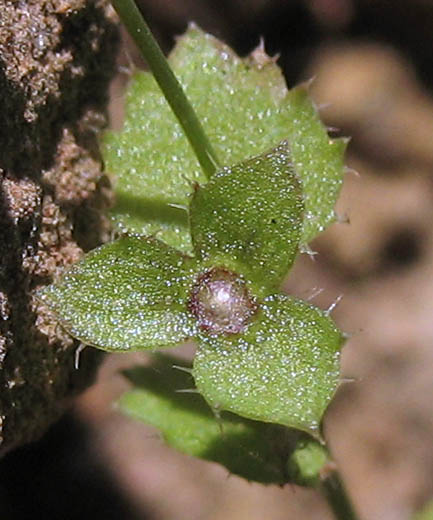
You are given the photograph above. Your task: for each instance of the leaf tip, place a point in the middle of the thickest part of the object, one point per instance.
(259, 58)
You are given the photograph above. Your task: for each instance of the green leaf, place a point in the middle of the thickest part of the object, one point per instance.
(283, 369)
(127, 295)
(318, 161)
(249, 217)
(153, 165)
(245, 108)
(306, 462)
(252, 450)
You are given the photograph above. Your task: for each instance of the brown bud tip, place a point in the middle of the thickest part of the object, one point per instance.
(221, 302)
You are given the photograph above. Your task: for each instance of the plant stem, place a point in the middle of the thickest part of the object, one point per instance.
(170, 86)
(333, 490)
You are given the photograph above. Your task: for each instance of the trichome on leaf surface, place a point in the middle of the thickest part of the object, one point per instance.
(204, 259)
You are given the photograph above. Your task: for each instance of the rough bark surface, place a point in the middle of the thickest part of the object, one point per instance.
(56, 59)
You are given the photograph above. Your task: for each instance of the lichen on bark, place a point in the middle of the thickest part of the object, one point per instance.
(56, 60)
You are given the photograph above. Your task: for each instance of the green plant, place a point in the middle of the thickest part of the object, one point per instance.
(204, 256)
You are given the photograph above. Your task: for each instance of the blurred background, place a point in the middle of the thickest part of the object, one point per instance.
(372, 61)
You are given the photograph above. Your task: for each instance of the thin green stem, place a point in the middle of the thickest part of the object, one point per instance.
(170, 86)
(335, 493)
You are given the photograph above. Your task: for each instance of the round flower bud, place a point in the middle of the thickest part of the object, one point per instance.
(221, 302)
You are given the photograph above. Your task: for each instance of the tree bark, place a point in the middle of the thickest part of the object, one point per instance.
(56, 60)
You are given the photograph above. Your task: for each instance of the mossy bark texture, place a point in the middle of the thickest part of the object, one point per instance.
(56, 60)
